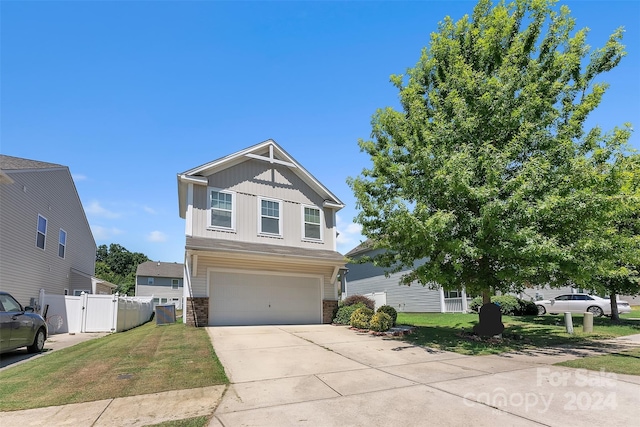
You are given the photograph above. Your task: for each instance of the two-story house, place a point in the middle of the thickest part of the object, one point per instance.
(260, 241)
(45, 238)
(162, 281)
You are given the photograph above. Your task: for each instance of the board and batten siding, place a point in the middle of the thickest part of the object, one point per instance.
(25, 268)
(251, 180)
(199, 281)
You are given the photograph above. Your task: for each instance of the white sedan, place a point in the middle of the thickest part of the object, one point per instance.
(579, 303)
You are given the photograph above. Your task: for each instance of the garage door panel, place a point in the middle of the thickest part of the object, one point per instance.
(263, 299)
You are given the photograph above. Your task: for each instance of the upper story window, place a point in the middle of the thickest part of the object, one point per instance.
(42, 232)
(174, 283)
(221, 204)
(62, 243)
(149, 280)
(311, 223)
(270, 217)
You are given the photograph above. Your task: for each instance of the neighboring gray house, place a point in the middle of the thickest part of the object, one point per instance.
(260, 241)
(368, 279)
(161, 280)
(45, 239)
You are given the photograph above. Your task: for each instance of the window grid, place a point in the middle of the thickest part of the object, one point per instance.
(41, 235)
(312, 223)
(221, 209)
(62, 243)
(270, 217)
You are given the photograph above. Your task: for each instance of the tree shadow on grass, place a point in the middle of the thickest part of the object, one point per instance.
(524, 334)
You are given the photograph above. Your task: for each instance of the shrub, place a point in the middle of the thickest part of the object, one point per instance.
(380, 321)
(390, 311)
(354, 299)
(509, 305)
(343, 316)
(361, 317)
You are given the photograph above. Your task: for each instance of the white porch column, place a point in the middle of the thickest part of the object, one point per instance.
(465, 305)
(443, 305)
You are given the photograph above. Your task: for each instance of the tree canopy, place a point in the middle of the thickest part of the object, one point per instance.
(487, 170)
(118, 266)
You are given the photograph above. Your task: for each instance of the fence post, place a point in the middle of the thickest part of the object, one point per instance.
(83, 322)
(41, 302)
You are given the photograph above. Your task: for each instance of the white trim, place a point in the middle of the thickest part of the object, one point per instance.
(199, 180)
(270, 160)
(332, 205)
(443, 304)
(189, 215)
(233, 209)
(60, 243)
(280, 216)
(46, 225)
(304, 222)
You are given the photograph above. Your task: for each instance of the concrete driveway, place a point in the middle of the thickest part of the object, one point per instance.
(323, 375)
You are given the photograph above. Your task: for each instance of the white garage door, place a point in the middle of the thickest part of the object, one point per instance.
(263, 299)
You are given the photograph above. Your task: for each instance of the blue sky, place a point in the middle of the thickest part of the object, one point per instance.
(129, 94)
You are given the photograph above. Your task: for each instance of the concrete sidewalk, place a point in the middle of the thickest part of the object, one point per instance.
(142, 410)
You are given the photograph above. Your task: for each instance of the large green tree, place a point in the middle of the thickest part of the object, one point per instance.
(117, 265)
(487, 170)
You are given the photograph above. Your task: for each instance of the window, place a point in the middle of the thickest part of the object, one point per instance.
(42, 232)
(270, 217)
(149, 280)
(221, 205)
(452, 294)
(311, 221)
(62, 243)
(174, 283)
(78, 292)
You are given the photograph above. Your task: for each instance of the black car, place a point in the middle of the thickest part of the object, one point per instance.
(20, 326)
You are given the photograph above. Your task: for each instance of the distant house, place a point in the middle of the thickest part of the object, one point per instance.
(370, 280)
(45, 238)
(161, 280)
(260, 241)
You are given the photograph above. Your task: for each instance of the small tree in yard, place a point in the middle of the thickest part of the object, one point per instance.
(487, 170)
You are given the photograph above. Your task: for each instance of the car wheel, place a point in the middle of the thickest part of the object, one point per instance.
(541, 310)
(38, 342)
(597, 311)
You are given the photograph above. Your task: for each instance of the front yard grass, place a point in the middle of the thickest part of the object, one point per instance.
(453, 332)
(624, 362)
(148, 359)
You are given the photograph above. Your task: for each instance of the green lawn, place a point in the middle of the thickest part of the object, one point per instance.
(148, 359)
(453, 332)
(624, 362)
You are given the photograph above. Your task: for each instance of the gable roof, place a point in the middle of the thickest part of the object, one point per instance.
(362, 247)
(268, 151)
(8, 163)
(160, 269)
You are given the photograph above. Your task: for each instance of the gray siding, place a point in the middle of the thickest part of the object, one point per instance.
(25, 268)
(411, 299)
(160, 288)
(367, 278)
(253, 179)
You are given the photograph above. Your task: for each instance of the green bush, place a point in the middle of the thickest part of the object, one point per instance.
(355, 299)
(343, 316)
(380, 321)
(361, 317)
(390, 311)
(509, 305)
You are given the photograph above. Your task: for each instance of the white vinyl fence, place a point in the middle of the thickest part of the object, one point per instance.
(94, 313)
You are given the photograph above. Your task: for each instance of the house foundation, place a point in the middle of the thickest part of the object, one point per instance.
(329, 308)
(197, 311)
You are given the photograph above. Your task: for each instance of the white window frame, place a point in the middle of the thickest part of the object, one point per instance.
(150, 281)
(304, 222)
(280, 216)
(62, 245)
(176, 283)
(38, 232)
(210, 209)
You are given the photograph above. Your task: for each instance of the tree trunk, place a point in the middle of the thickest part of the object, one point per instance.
(615, 316)
(486, 296)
